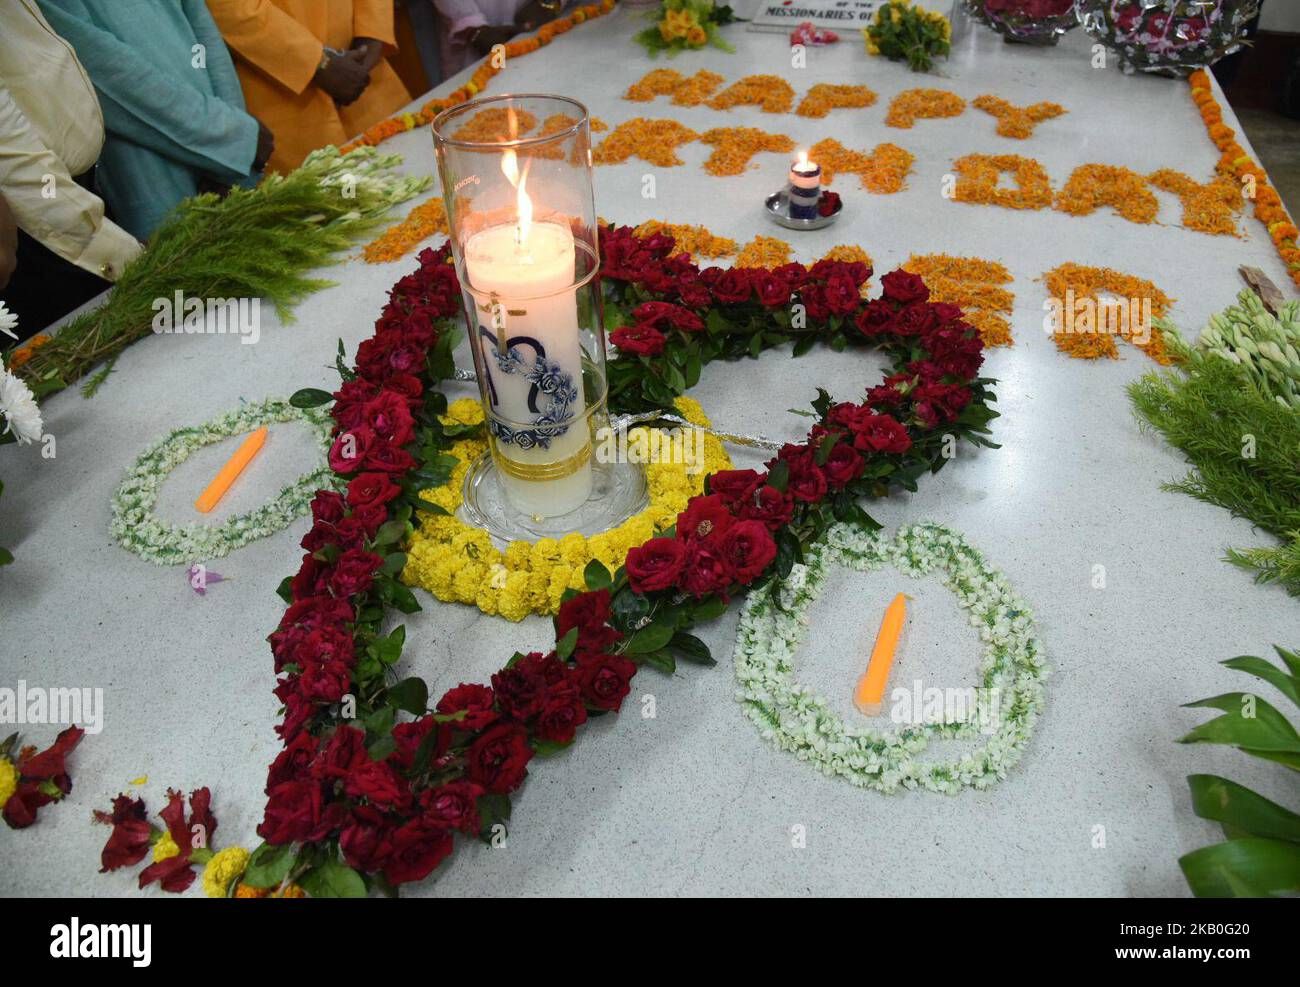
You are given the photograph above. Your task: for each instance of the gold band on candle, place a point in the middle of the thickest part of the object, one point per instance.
(543, 471)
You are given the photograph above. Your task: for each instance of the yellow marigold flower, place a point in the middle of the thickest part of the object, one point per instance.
(697, 36)
(292, 891)
(165, 849)
(247, 891)
(225, 866)
(8, 780)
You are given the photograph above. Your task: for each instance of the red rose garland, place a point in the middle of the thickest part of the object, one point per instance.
(388, 796)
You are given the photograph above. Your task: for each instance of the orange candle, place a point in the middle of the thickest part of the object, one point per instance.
(234, 466)
(871, 687)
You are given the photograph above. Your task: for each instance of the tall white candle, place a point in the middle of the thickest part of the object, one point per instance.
(521, 276)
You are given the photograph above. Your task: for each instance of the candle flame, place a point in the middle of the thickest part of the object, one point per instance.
(803, 159)
(510, 168)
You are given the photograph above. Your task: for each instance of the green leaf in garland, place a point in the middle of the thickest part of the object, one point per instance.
(692, 649)
(310, 397)
(285, 591)
(661, 660)
(564, 647)
(333, 879)
(549, 748)
(411, 695)
(596, 576)
(778, 477)
(650, 639)
(268, 866)
(389, 649)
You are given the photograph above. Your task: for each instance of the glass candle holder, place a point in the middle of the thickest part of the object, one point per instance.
(516, 177)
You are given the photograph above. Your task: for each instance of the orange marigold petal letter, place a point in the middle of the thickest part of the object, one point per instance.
(1089, 307)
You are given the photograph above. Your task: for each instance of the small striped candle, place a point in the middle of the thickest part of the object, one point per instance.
(805, 188)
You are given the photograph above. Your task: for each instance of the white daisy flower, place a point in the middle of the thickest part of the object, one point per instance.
(8, 322)
(18, 407)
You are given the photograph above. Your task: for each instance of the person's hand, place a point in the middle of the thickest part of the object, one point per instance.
(368, 52)
(484, 39)
(535, 13)
(343, 77)
(265, 146)
(8, 243)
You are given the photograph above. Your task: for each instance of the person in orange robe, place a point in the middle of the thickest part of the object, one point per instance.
(314, 71)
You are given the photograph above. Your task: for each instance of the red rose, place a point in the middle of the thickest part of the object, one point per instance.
(453, 806)
(413, 851)
(883, 433)
(660, 314)
(734, 486)
(293, 811)
(353, 572)
(768, 505)
(327, 683)
(589, 613)
(327, 507)
(409, 736)
(841, 294)
(772, 291)
(795, 276)
(519, 692)
(377, 783)
(292, 763)
(704, 516)
(475, 700)
(642, 340)
(498, 760)
(843, 466)
(916, 319)
(350, 448)
(695, 295)
(828, 203)
(732, 287)
(605, 683)
(310, 579)
(362, 840)
(345, 749)
(388, 458)
(655, 565)
(747, 549)
(904, 287)
(813, 297)
(371, 488)
(935, 402)
(806, 481)
(389, 418)
(706, 570)
(561, 715)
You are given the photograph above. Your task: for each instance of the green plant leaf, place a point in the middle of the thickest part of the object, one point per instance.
(268, 866)
(564, 647)
(1246, 868)
(661, 660)
(1240, 811)
(596, 576)
(1265, 734)
(310, 397)
(692, 648)
(333, 879)
(1270, 673)
(650, 639)
(410, 694)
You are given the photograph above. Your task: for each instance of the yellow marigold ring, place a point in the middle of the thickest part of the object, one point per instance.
(459, 563)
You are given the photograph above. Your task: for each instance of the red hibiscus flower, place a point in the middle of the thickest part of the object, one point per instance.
(42, 778)
(131, 836)
(176, 874)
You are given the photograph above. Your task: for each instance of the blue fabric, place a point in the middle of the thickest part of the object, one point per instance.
(169, 121)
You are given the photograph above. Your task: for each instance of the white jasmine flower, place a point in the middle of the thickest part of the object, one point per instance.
(18, 406)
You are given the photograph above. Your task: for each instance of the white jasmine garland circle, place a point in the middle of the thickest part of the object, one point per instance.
(137, 529)
(803, 723)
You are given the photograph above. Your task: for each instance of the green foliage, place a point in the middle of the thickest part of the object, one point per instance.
(1261, 855)
(902, 32)
(254, 243)
(1244, 448)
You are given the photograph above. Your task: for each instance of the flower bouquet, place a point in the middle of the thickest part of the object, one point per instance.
(903, 32)
(1172, 37)
(1038, 22)
(682, 24)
